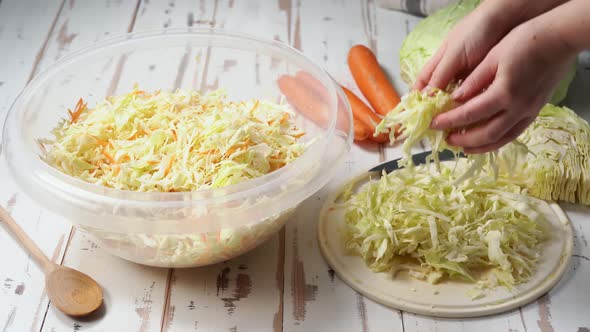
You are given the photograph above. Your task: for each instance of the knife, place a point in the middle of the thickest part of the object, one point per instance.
(419, 158)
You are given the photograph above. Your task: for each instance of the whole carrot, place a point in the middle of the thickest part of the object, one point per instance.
(361, 131)
(363, 114)
(302, 93)
(371, 80)
(314, 84)
(303, 99)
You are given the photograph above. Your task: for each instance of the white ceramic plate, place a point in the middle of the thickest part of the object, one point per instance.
(448, 298)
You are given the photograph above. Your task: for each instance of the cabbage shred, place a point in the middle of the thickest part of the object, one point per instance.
(174, 141)
(417, 219)
(414, 114)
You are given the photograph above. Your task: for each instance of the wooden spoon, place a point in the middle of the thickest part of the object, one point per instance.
(71, 291)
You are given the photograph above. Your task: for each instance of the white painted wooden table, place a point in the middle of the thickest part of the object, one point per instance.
(284, 284)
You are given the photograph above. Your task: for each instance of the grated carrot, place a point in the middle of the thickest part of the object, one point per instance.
(232, 150)
(137, 134)
(80, 107)
(124, 158)
(169, 167)
(99, 141)
(285, 118)
(108, 156)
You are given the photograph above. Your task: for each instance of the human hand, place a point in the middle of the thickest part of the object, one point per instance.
(467, 44)
(463, 49)
(517, 78)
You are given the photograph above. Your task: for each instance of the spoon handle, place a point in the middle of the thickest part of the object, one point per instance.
(26, 241)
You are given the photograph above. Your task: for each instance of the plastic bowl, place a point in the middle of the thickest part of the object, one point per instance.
(184, 229)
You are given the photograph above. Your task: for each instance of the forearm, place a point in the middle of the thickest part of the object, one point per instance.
(504, 15)
(568, 26)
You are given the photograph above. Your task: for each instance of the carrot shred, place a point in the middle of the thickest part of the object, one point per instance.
(80, 107)
(169, 167)
(276, 164)
(124, 158)
(231, 150)
(137, 134)
(208, 151)
(100, 142)
(108, 156)
(298, 135)
(284, 118)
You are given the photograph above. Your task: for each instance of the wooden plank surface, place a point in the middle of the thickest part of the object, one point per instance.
(133, 305)
(244, 293)
(24, 28)
(316, 299)
(284, 284)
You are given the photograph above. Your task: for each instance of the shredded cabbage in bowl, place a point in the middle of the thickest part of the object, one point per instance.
(190, 249)
(173, 141)
(419, 220)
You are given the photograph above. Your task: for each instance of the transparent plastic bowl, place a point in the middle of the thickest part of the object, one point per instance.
(183, 229)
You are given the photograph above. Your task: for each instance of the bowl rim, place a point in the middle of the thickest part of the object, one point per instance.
(70, 185)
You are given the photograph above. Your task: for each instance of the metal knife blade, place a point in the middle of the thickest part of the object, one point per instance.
(419, 158)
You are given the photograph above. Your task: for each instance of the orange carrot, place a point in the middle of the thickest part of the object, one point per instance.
(371, 80)
(309, 103)
(319, 90)
(361, 131)
(362, 113)
(303, 100)
(313, 84)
